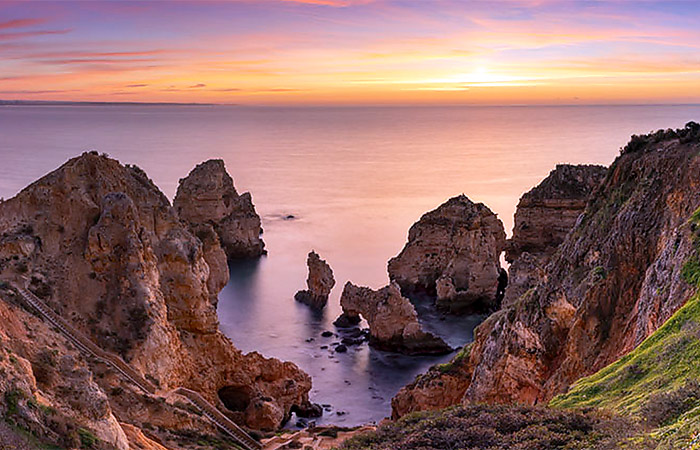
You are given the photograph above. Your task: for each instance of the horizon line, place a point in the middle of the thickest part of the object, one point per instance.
(26, 102)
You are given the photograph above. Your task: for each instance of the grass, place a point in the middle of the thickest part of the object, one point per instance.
(658, 383)
(455, 361)
(658, 369)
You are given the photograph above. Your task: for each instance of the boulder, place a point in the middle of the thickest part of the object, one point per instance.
(320, 282)
(393, 321)
(207, 196)
(453, 253)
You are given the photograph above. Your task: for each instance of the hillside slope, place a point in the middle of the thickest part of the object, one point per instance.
(657, 383)
(616, 278)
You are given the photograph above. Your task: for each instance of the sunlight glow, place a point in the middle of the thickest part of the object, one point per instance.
(351, 51)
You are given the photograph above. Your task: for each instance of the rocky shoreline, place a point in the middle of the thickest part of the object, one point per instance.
(600, 259)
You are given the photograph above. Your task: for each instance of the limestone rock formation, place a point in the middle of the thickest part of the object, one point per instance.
(207, 196)
(393, 321)
(543, 218)
(618, 276)
(46, 387)
(320, 282)
(103, 247)
(453, 252)
(547, 212)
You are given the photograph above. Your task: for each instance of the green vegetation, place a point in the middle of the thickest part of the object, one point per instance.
(500, 427)
(87, 439)
(691, 271)
(456, 361)
(12, 398)
(599, 272)
(689, 133)
(657, 383)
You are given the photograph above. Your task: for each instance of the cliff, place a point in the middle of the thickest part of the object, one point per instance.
(207, 197)
(631, 385)
(453, 253)
(616, 278)
(546, 213)
(543, 218)
(103, 247)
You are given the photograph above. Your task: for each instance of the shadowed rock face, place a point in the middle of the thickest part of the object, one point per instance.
(453, 253)
(320, 282)
(549, 211)
(207, 196)
(393, 321)
(614, 280)
(543, 218)
(106, 250)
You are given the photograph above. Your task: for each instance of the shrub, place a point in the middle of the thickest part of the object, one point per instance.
(87, 439)
(12, 398)
(44, 367)
(664, 407)
(691, 271)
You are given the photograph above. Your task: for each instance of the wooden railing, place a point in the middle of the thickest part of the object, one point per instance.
(86, 345)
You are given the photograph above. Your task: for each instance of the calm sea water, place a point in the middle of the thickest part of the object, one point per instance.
(354, 178)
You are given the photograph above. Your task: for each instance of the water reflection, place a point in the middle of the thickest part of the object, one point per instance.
(258, 312)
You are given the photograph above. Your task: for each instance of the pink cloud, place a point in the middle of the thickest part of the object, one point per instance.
(20, 23)
(28, 34)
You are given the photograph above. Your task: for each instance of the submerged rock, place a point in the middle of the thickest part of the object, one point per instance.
(207, 196)
(453, 253)
(320, 282)
(393, 321)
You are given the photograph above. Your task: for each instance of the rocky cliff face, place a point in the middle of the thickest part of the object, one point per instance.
(46, 387)
(102, 245)
(615, 279)
(320, 282)
(207, 197)
(393, 321)
(546, 213)
(453, 253)
(543, 218)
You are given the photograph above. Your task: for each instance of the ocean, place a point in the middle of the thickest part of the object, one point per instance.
(353, 178)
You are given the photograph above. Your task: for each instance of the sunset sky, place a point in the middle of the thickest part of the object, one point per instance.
(352, 51)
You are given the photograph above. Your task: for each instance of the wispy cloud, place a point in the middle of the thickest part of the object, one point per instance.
(29, 34)
(20, 23)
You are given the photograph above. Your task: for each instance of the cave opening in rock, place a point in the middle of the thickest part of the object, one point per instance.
(235, 398)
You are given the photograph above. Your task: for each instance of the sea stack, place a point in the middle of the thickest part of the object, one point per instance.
(453, 253)
(393, 321)
(543, 218)
(320, 282)
(102, 247)
(207, 196)
(627, 265)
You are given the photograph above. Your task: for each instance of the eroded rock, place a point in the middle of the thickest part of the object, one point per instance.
(111, 255)
(615, 278)
(393, 321)
(207, 196)
(543, 218)
(453, 253)
(320, 282)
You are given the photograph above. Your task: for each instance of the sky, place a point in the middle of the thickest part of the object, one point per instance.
(279, 52)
